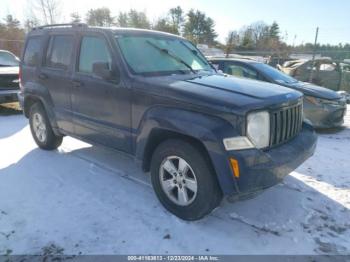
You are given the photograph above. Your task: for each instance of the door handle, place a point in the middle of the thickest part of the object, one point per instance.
(77, 83)
(43, 76)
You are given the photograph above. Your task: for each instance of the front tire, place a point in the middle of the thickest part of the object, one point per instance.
(183, 180)
(41, 129)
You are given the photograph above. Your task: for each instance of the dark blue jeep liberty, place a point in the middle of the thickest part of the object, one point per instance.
(154, 96)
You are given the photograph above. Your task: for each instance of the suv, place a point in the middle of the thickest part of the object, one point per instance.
(154, 96)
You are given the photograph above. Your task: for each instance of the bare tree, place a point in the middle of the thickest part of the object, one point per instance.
(45, 11)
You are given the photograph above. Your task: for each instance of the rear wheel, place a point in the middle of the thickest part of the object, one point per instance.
(41, 128)
(183, 180)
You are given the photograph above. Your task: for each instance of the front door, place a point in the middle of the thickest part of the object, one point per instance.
(101, 107)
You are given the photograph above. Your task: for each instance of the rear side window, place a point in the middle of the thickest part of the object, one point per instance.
(59, 52)
(93, 49)
(32, 52)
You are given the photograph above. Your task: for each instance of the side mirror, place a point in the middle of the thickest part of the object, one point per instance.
(101, 69)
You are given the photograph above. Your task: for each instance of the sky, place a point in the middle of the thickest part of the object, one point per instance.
(298, 19)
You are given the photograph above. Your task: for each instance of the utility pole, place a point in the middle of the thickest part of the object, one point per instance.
(313, 56)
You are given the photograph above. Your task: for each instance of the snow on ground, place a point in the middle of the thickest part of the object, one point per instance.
(84, 199)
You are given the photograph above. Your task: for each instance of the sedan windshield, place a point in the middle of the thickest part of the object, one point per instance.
(7, 59)
(276, 75)
(148, 55)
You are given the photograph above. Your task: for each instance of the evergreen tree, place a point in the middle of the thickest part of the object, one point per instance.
(99, 17)
(199, 28)
(122, 19)
(176, 19)
(275, 31)
(75, 17)
(163, 25)
(11, 22)
(138, 19)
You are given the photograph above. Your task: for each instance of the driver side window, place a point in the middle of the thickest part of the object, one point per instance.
(240, 71)
(93, 49)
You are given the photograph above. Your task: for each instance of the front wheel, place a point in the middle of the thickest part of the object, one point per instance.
(41, 129)
(183, 180)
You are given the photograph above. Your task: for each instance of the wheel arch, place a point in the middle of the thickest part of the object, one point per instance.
(158, 136)
(203, 131)
(31, 99)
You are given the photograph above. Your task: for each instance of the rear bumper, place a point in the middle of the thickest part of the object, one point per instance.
(260, 169)
(8, 96)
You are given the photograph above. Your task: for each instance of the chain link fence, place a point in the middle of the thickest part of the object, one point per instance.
(12, 45)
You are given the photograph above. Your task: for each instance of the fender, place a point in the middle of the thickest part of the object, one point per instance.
(207, 129)
(39, 92)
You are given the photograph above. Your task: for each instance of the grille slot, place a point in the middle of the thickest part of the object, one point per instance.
(285, 124)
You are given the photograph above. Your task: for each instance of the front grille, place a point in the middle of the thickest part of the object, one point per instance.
(285, 123)
(9, 81)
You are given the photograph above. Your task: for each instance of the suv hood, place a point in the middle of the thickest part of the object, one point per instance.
(240, 86)
(314, 90)
(9, 70)
(223, 92)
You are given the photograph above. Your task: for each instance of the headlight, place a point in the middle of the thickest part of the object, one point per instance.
(319, 101)
(258, 128)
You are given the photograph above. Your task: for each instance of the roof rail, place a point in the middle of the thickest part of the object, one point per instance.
(61, 25)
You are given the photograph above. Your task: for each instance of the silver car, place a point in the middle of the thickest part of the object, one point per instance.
(323, 107)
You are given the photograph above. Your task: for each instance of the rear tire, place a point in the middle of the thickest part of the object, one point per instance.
(180, 172)
(41, 128)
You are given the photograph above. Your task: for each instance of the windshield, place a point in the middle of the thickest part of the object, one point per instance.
(276, 75)
(149, 55)
(7, 59)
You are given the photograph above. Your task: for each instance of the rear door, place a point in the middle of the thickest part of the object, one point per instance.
(101, 107)
(56, 74)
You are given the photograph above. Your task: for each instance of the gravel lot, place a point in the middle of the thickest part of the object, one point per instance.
(84, 199)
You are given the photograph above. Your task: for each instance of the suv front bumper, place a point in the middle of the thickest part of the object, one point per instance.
(260, 169)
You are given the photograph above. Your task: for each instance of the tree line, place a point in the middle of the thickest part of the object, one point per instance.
(194, 25)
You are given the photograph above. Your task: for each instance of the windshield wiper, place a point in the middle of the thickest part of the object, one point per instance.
(166, 51)
(196, 54)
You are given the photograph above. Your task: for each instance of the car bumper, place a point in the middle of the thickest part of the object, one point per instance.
(8, 96)
(260, 169)
(325, 116)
